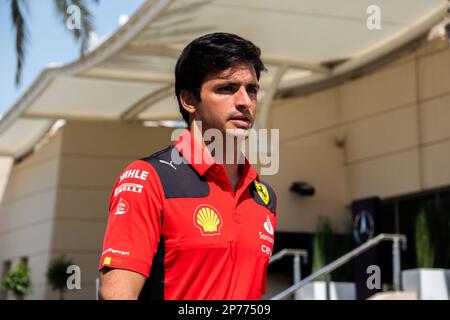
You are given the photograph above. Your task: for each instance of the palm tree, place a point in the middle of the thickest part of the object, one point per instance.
(18, 8)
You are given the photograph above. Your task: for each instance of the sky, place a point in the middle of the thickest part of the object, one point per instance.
(49, 41)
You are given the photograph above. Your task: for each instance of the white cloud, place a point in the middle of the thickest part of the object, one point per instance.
(54, 64)
(123, 18)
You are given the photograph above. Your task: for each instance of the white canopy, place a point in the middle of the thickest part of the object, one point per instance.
(130, 75)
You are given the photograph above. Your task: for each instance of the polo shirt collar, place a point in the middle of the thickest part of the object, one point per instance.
(191, 151)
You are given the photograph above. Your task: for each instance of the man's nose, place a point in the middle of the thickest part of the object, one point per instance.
(242, 98)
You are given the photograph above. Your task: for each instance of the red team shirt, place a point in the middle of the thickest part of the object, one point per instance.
(184, 227)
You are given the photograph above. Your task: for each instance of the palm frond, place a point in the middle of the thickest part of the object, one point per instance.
(21, 30)
(87, 25)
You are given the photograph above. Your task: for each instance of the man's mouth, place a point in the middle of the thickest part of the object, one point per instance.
(241, 121)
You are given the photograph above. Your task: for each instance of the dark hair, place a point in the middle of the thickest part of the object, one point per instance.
(212, 53)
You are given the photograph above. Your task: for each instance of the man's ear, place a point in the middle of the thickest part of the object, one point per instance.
(188, 101)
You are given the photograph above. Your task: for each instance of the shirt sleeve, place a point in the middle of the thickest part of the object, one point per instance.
(273, 219)
(135, 217)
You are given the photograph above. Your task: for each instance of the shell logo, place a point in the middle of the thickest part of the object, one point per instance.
(208, 220)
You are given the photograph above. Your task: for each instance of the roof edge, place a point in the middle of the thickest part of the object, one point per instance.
(144, 15)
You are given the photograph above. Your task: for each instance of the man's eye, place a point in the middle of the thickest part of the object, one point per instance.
(227, 89)
(253, 93)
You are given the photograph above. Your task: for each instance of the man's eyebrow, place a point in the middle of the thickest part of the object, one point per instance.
(253, 85)
(237, 83)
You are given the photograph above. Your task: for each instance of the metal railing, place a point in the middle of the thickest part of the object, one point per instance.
(297, 262)
(97, 288)
(325, 271)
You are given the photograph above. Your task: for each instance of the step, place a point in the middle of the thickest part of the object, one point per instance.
(394, 295)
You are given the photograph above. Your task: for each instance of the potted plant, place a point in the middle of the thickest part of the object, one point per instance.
(324, 252)
(428, 282)
(57, 274)
(18, 281)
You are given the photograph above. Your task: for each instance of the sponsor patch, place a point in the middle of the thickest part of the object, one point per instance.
(268, 226)
(208, 220)
(266, 249)
(265, 237)
(122, 207)
(115, 251)
(262, 192)
(134, 173)
(129, 187)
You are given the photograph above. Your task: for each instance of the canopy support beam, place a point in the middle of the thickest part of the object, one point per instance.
(268, 98)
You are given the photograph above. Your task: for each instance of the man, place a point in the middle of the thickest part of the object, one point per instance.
(196, 229)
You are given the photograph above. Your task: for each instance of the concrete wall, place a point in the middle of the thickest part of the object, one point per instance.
(27, 212)
(308, 126)
(56, 201)
(92, 157)
(394, 129)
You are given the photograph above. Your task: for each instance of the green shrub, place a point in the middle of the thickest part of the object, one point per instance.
(18, 281)
(425, 251)
(57, 274)
(322, 246)
(327, 247)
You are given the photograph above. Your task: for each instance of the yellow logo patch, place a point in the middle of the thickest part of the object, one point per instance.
(107, 260)
(208, 220)
(262, 192)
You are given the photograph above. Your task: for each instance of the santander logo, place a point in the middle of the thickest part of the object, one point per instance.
(268, 226)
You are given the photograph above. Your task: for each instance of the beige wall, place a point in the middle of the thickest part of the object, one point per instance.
(308, 153)
(56, 200)
(92, 157)
(395, 126)
(27, 210)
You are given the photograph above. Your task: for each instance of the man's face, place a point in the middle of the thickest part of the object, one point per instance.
(228, 100)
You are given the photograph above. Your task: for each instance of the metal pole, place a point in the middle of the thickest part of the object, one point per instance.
(297, 272)
(97, 284)
(327, 286)
(396, 263)
(297, 269)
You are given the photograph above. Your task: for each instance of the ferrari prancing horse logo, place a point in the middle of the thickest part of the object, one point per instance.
(262, 192)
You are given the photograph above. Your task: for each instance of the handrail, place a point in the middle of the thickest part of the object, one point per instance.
(297, 264)
(396, 238)
(289, 252)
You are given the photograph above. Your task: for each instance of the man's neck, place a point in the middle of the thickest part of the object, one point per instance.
(231, 169)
